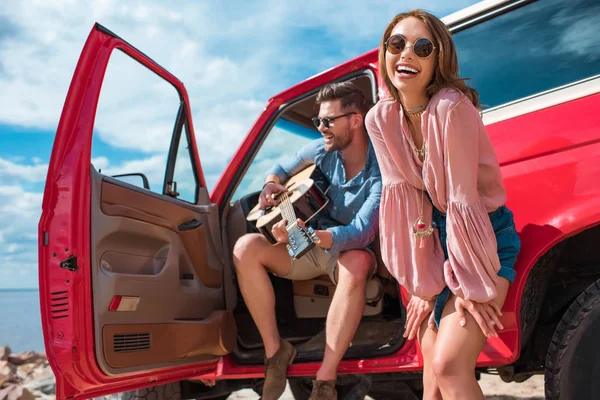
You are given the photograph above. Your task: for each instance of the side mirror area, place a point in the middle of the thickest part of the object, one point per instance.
(134, 178)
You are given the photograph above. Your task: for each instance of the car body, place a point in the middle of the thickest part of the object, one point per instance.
(106, 246)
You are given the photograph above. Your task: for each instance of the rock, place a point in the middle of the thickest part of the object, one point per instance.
(24, 370)
(26, 357)
(15, 392)
(4, 353)
(45, 384)
(41, 370)
(7, 373)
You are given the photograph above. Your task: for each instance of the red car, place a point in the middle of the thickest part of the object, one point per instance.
(137, 286)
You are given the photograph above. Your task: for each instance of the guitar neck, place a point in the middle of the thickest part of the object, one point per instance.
(287, 210)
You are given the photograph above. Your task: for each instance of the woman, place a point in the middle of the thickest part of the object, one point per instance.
(445, 232)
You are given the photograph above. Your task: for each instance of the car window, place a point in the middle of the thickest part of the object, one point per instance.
(282, 142)
(537, 47)
(134, 122)
(184, 175)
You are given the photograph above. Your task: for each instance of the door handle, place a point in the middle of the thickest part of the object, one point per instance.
(190, 225)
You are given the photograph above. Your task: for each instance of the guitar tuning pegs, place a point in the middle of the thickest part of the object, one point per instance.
(313, 235)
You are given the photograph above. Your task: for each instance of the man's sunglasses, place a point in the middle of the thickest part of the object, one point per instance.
(327, 120)
(422, 47)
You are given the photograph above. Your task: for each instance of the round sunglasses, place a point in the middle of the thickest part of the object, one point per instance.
(327, 120)
(422, 47)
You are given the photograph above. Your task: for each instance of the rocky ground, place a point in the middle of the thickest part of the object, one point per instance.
(27, 376)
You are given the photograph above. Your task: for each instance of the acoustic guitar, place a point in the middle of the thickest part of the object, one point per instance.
(305, 198)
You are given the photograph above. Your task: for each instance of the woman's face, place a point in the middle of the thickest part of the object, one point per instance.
(408, 72)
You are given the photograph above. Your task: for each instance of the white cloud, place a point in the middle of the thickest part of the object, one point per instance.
(579, 31)
(223, 53)
(19, 215)
(152, 167)
(232, 56)
(13, 173)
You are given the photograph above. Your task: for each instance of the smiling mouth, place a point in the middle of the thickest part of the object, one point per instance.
(406, 70)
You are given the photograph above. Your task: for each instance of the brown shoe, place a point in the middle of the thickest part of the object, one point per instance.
(276, 371)
(323, 390)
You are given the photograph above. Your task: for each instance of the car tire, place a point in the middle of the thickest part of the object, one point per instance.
(572, 362)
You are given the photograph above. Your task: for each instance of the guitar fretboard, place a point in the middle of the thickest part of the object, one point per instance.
(287, 209)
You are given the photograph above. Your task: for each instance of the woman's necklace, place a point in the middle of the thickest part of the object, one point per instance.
(420, 152)
(420, 228)
(416, 111)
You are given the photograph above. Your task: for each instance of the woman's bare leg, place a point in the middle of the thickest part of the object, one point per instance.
(457, 349)
(427, 337)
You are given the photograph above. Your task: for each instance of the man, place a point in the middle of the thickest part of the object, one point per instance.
(346, 157)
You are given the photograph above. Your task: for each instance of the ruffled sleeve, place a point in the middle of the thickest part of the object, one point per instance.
(419, 270)
(472, 266)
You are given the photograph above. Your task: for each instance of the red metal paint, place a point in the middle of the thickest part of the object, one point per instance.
(66, 214)
(550, 163)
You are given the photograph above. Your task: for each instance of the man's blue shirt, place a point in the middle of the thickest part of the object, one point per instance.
(354, 204)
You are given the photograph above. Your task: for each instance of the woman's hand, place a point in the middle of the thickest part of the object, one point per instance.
(417, 310)
(486, 314)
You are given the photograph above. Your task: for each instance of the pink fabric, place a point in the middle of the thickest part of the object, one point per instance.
(463, 178)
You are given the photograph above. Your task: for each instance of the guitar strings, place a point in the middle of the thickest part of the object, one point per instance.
(287, 210)
(289, 213)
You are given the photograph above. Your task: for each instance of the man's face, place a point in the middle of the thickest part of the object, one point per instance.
(338, 135)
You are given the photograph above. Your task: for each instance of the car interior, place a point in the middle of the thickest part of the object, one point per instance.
(164, 284)
(302, 306)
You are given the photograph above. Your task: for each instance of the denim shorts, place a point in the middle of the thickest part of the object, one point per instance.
(507, 240)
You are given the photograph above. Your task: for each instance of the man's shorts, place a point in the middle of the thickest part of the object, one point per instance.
(318, 262)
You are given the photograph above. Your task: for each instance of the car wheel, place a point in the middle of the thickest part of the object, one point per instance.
(572, 363)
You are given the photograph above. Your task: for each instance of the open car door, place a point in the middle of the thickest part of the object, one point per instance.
(130, 280)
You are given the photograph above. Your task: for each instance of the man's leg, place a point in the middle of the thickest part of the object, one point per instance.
(346, 308)
(253, 257)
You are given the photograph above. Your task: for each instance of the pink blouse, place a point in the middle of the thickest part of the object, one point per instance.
(461, 174)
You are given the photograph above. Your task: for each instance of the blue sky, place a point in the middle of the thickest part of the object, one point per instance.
(232, 56)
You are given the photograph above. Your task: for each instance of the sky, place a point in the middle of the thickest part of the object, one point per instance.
(232, 57)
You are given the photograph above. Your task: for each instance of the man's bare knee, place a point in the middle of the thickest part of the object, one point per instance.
(248, 246)
(355, 266)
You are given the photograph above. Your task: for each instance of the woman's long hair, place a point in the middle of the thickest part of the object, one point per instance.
(446, 67)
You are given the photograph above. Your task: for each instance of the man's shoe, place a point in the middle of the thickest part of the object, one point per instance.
(276, 371)
(323, 390)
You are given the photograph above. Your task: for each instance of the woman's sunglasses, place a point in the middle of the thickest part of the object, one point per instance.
(327, 120)
(422, 47)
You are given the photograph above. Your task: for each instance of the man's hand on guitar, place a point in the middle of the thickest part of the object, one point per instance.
(267, 196)
(280, 232)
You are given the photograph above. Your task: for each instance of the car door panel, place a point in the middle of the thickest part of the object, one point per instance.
(174, 278)
(131, 294)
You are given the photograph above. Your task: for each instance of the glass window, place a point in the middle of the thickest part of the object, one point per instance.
(134, 123)
(535, 48)
(282, 142)
(184, 174)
